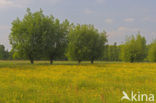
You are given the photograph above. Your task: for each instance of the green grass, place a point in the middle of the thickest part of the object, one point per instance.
(67, 82)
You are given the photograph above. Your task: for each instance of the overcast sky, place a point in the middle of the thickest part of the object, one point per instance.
(118, 18)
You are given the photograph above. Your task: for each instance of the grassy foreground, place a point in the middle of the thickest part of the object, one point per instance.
(21, 82)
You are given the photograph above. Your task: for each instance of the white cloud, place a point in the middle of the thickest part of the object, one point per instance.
(109, 21)
(23, 3)
(120, 31)
(15, 3)
(4, 3)
(88, 11)
(129, 20)
(126, 29)
(119, 35)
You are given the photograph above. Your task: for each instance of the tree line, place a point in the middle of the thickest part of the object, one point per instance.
(41, 37)
(4, 54)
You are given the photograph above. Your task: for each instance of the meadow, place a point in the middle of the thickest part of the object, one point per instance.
(68, 82)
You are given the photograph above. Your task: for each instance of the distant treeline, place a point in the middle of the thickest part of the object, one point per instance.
(41, 37)
(4, 54)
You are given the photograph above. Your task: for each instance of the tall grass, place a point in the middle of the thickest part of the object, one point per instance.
(21, 82)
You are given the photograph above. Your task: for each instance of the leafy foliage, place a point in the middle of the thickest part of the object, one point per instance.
(134, 49)
(38, 36)
(152, 52)
(85, 43)
(111, 53)
(54, 39)
(26, 35)
(3, 53)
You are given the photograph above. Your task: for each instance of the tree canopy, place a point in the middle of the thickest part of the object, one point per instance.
(26, 35)
(134, 49)
(4, 54)
(54, 39)
(85, 43)
(39, 36)
(152, 52)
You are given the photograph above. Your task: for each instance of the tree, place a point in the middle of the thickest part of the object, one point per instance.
(95, 45)
(54, 38)
(3, 53)
(105, 56)
(113, 52)
(85, 43)
(152, 52)
(134, 49)
(26, 35)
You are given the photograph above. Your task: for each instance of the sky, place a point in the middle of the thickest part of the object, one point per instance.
(119, 18)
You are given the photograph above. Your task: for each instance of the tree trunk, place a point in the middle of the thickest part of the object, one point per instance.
(92, 61)
(79, 61)
(51, 61)
(132, 60)
(32, 61)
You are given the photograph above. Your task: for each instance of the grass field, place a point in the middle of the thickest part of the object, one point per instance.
(102, 82)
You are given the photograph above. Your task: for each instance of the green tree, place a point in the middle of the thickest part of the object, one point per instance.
(4, 54)
(105, 53)
(26, 35)
(96, 45)
(134, 49)
(113, 52)
(152, 52)
(85, 43)
(54, 38)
